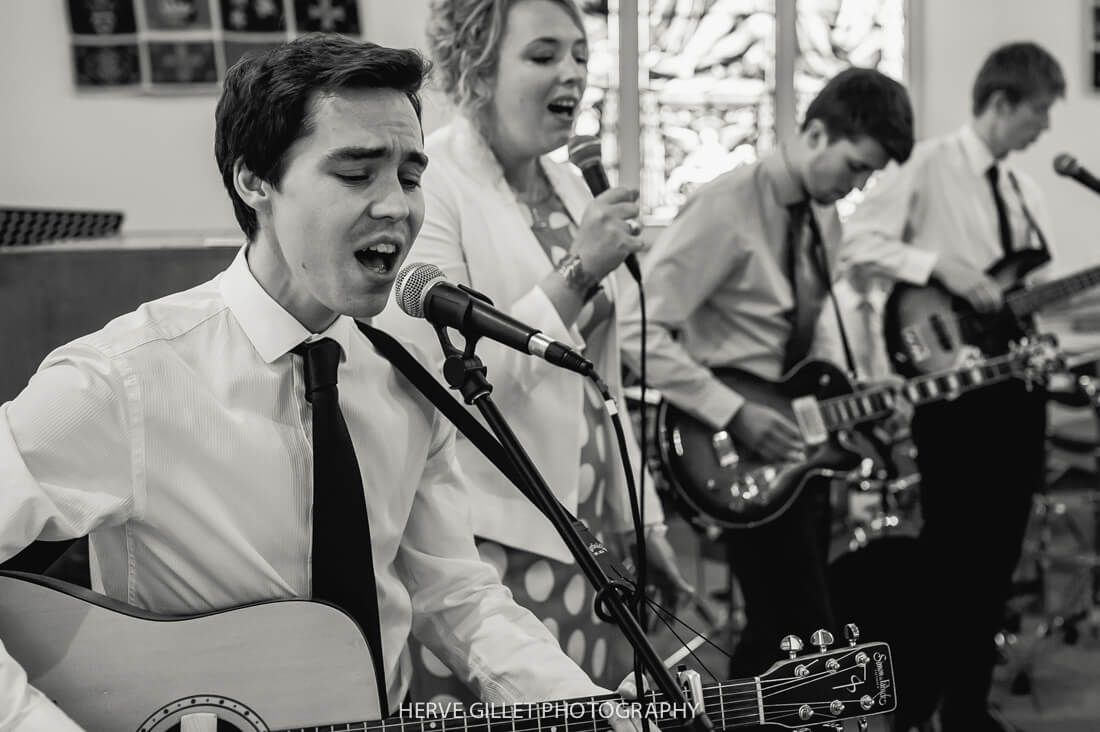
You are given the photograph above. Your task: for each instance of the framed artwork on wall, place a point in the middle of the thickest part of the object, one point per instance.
(185, 46)
(1093, 24)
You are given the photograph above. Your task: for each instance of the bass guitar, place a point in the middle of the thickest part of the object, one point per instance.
(716, 481)
(927, 327)
(299, 665)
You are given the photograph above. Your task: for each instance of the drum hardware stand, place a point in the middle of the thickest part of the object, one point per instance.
(1080, 600)
(882, 475)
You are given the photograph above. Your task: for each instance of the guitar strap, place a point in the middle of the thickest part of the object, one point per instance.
(1043, 248)
(392, 350)
(848, 357)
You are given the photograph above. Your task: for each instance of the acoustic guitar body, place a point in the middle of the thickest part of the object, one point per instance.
(272, 665)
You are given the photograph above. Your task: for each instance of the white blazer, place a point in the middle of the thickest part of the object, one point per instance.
(475, 232)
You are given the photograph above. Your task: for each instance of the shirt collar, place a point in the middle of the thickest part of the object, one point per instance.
(976, 151)
(788, 191)
(271, 329)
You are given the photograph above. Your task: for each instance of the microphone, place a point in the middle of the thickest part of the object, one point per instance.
(421, 291)
(1067, 165)
(585, 153)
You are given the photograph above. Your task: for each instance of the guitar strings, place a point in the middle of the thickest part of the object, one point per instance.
(747, 713)
(666, 617)
(714, 700)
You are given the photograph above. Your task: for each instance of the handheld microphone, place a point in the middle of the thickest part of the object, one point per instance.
(421, 291)
(1067, 165)
(585, 153)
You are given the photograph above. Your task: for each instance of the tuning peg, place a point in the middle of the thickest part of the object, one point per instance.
(791, 644)
(862, 722)
(822, 639)
(851, 633)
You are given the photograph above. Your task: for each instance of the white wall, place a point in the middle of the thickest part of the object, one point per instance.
(958, 35)
(153, 156)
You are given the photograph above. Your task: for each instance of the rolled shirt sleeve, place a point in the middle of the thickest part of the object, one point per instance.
(687, 263)
(874, 234)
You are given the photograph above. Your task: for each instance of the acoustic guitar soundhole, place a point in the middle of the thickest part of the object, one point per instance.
(233, 716)
(223, 726)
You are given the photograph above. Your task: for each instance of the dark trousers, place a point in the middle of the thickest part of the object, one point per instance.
(981, 458)
(780, 568)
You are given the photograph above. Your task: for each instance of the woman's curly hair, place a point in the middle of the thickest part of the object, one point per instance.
(464, 37)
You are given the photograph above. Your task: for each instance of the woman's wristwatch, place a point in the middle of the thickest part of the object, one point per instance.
(657, 529)
(576, 278)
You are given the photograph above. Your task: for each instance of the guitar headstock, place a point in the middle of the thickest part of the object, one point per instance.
(828, 687)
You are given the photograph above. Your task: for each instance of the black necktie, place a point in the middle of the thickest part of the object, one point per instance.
(807, 284)
(343, 569)
(992, 174)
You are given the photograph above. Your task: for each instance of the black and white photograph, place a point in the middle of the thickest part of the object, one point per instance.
(550, 365)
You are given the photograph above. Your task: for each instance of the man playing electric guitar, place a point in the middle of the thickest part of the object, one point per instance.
(948, 213)
(738, 279)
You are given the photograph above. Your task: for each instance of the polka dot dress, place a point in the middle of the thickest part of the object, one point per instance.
(558, 594)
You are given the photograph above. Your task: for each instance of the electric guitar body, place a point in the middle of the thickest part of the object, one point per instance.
(929, 329)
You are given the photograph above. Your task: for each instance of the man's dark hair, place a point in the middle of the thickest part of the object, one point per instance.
(265, 103)
(861, 102)
(1023, 71)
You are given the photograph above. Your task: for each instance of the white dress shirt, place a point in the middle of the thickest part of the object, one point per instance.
(940, 202)
(179, 437)
(717, 277)
(861, 314)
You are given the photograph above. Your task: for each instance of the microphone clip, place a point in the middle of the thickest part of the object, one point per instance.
(476, 293)
(462, 369)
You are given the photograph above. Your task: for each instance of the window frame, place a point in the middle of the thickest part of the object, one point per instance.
(630, 77)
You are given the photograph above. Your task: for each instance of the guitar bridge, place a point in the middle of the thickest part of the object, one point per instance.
(807, 414)
(724, 450)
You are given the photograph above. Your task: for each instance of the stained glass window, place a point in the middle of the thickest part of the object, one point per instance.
(706, 98)
(836, 34)
(707, 69)
(600, 106)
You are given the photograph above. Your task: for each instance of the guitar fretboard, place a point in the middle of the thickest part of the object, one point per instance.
(876, 403)
(730, 704)
(1035, 298)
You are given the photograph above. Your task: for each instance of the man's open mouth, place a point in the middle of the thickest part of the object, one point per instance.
(379, 258)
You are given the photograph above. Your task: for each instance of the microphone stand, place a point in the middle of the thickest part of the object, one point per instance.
(465, 372)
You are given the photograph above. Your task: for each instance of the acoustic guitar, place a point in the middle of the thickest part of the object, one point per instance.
(304, 665)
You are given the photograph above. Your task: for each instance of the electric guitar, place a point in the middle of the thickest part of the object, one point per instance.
(716, 481)
(304, 665)
(926, 327)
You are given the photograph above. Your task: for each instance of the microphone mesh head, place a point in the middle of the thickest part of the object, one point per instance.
(1065, 164)
(412, 285)
(584, 150)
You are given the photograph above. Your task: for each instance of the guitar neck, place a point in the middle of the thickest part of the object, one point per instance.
(1028, 301)
(879, 402)
(729, 704)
